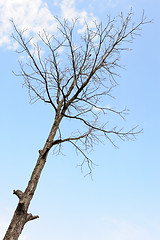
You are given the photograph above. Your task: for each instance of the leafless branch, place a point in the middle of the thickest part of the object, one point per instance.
(76, 73)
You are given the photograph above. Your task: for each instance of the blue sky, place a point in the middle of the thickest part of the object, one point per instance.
(122, 202)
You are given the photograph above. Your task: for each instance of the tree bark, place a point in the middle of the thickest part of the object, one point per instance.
(21, 215)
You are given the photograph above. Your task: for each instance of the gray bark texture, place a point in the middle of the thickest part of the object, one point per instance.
(21, 215)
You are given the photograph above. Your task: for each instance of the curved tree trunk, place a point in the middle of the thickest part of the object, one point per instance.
(21, 215)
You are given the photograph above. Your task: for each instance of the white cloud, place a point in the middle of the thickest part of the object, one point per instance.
(69, 12)
(68, 9)
(36, 16)
(31, 15)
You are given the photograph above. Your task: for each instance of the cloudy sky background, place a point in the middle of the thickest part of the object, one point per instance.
(123, 200)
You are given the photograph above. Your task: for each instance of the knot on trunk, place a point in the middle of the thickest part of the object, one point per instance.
(18, 193)
(44, 152)
(31, 217)
(40, 152)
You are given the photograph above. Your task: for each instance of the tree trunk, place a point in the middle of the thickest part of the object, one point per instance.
(21, 215)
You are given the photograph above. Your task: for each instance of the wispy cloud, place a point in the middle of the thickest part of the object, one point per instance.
(35, 16)
(69, 12)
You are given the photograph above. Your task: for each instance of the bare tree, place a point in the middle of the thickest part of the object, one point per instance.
(74, 73)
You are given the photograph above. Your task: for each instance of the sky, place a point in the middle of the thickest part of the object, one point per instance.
(122, 201)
